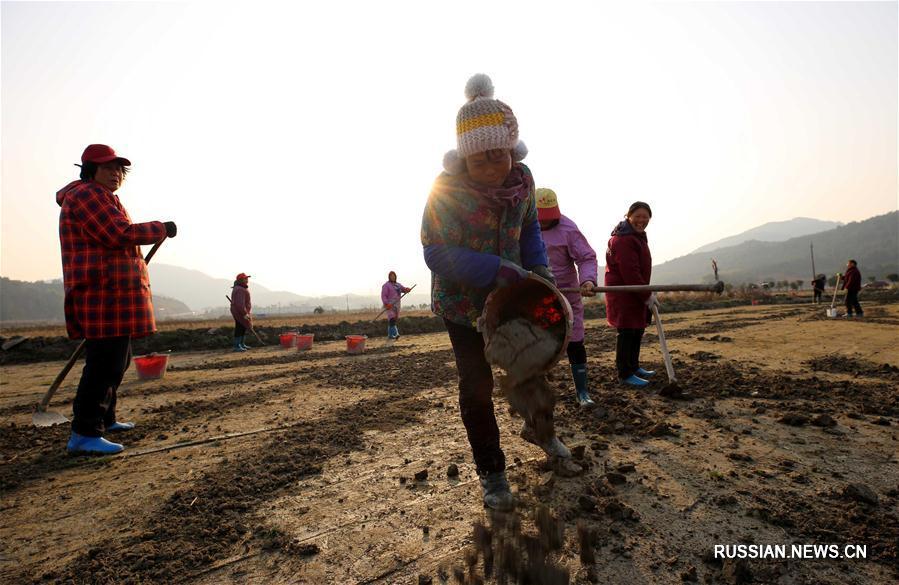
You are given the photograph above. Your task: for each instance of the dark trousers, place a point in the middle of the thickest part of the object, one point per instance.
(577, 353)
(106, 361)
(627, 352)
(391, 322)
(239, 330)
(852, 303)
(818, 294)
(476, 397)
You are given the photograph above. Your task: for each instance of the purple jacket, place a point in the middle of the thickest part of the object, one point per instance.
(573, 262)
(390, 295)
(240, 304)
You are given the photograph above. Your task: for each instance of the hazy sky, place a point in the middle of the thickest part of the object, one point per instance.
(298, 143)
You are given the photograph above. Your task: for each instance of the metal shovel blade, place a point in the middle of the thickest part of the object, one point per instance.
(47, 418)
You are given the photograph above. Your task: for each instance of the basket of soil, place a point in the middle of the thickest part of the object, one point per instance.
(537, 315)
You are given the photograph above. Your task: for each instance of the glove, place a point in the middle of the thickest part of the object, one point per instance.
(587, 289)
(544, 272)
(171, 230)
(388, 306)
(509, 273)
(652, 301)
(407, 289)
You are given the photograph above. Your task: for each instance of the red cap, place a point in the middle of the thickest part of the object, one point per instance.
(100, 153)
(241, 276)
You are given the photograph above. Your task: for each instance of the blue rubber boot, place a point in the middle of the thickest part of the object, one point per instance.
(635, 381)
(392, 332)
(497, 495)
(645, 373)
(81, 445)
(579, 373)
(242, 344)
(120, 426)
(237, 346)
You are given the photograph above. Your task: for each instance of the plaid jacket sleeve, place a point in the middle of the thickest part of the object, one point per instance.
(103, 219)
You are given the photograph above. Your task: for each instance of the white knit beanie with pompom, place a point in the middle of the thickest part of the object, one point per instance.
(483, 124)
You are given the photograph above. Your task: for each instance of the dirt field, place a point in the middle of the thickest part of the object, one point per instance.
(275, 466)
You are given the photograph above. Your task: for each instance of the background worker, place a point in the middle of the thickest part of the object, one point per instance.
(107, 290)
(240, 310)
(818, 287)
(391, 293)
(852, 283)
(628, 262)
(573, 263)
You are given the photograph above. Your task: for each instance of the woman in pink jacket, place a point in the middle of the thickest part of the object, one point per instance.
(391, 293)
(573, 263)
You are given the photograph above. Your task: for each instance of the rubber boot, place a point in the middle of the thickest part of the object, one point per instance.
(579, 373)
(242, 344)
(237, 346)
(645, 373)
(81, 445)
(635, 381)
(120, 426)
(497, 495)
(392, 332)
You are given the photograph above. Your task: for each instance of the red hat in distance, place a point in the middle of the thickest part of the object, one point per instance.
(100, 153)
(241, 276)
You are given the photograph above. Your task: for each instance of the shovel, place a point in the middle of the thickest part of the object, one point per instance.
(672, 389)
(832, 312)
(41, 417)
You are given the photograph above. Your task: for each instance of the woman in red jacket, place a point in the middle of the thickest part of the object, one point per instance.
(107, 290)
(628, 262)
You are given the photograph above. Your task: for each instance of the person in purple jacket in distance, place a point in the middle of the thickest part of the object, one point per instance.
(573, 263)
(391, 293)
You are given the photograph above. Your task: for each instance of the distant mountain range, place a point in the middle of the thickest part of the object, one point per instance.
(43, 301)
(773, 231)
(874, 243)
(202, 292)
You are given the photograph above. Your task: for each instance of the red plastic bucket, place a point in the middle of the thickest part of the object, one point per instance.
(151, 366)
(288, 340)
(304, 341)
(355, 343)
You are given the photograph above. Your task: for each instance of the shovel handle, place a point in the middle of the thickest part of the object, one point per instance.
(669, 368)
(42, 406)
(718, 287)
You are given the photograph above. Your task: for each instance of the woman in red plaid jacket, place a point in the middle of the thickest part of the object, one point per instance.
(107, 290)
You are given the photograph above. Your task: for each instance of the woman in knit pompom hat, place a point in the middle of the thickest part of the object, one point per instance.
(480, 231)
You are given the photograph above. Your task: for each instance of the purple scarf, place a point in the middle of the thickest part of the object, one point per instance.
(516, 188)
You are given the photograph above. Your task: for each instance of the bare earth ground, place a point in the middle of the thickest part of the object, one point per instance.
(326, 491)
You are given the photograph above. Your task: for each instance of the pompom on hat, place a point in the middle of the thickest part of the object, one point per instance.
(483, 124)
(547, 205)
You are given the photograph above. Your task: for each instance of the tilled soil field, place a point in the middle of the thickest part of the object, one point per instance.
(277, 466)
